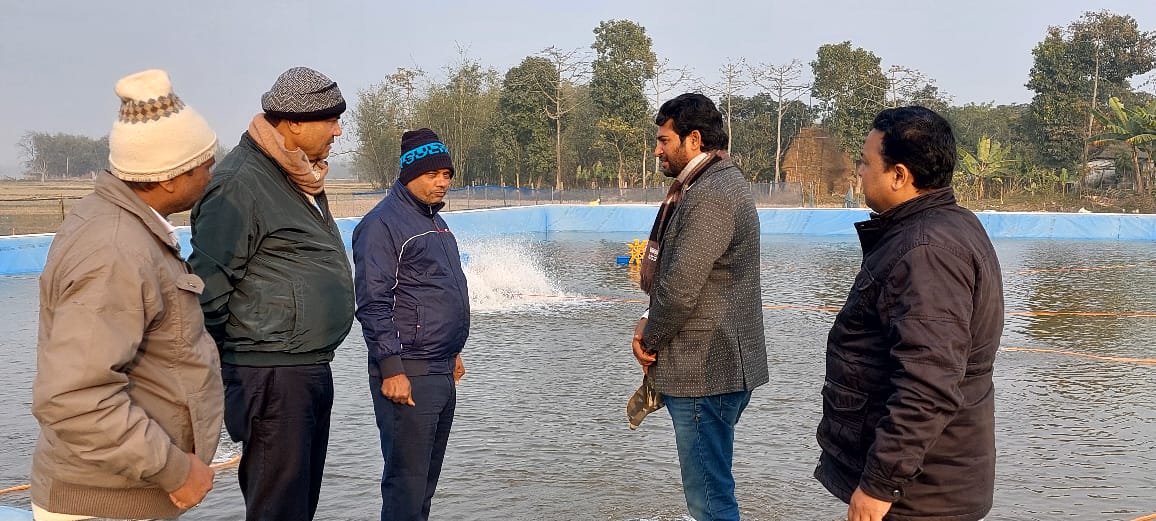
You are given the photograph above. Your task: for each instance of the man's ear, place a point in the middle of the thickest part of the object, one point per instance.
(694, 139)
(294, 127)
(169, 186)
(902, 177)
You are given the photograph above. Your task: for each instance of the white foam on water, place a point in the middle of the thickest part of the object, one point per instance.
(506, 275)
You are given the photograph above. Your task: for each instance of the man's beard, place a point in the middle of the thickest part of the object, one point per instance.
(673, 167)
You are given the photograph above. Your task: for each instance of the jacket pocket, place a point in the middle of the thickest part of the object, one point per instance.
(206, 411)
(419, 326)
(841, 429)
(188, 309)
(262, 311)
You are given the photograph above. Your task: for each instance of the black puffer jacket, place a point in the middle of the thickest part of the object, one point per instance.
(908, 401)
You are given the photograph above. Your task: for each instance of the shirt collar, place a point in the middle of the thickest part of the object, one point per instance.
(168, 225)
(690, 166)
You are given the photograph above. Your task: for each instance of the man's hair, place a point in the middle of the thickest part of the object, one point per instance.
(144, 186)
(693, 111)
(922, 141)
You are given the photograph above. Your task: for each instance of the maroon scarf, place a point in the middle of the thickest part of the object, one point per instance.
(649, 267)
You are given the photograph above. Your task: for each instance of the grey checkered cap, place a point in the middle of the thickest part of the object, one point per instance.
(303, 94)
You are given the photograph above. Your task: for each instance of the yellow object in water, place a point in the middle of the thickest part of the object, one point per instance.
(595, 202)
(636, 250)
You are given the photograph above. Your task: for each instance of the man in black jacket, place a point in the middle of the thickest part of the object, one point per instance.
(908, 428)
(278, 295)
(414, 309)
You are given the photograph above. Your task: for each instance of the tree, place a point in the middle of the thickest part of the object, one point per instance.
(568, 67)
(757, 125)
(1134, 128)
(383, 112)
(459, 112)
(624, 61)
(1073, 68)
(666, 79)
(990, 162)
(850, 88)
(785, 85)
(731, 82)
(62, 155)
(521, 122)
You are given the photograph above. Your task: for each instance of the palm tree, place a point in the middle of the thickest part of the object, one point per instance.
(1134, 127)
(989, 163)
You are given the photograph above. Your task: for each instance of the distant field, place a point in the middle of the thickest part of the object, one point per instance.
(40, 207)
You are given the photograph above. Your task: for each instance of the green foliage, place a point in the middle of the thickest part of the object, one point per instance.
(460, 111)
(383, 112)
(850, 88)
(1133, 128)
(991, 163)
(524, 134)
(755, 127)
(624, 60)
(1076, 67)
(62, 155)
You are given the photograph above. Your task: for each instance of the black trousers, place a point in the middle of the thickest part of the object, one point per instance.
(413, 444)
(280, 415)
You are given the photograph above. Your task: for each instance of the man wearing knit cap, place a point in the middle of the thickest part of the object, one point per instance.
(414, 310)
(278, 295)
(128, 384)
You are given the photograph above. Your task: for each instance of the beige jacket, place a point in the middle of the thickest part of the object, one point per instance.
(127, 379)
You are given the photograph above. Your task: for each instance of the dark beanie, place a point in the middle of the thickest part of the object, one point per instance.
(303, 94)
(422, 151)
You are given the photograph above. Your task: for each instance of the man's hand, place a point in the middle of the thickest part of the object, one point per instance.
(459, 369)
(397, 389)
(198, 483)
(645, 358)
(866, 508)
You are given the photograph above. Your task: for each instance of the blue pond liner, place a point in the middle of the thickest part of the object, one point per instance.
(25, 254)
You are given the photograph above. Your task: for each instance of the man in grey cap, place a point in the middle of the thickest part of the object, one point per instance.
(278, 295)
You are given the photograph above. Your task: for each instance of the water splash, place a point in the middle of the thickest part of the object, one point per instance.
(507, 275)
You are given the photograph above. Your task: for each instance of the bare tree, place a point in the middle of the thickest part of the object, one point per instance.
(785, 83)
(572, 67)
(666, 78)
(730, 83)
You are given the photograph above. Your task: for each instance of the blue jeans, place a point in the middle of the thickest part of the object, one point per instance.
(704, 431)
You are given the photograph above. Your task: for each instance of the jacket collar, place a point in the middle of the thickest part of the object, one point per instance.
(872, 230)
(403, 194)
(116, 192)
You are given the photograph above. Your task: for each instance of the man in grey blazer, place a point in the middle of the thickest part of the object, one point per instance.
(702, 338)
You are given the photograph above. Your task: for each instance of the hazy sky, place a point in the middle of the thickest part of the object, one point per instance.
(60, 59)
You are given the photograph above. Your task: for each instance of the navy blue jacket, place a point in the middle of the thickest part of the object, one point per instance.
(412, 299)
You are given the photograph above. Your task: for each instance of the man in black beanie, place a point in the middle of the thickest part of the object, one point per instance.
(414, 310)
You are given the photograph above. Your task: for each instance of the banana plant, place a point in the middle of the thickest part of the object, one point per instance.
(990, 163)
(1135, 128)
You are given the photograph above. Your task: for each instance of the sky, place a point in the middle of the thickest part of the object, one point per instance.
(59, 60)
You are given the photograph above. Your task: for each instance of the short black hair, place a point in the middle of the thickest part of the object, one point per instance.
(693, 111)
(921, 140)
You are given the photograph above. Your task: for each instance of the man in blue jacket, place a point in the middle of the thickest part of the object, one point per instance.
(414, 310)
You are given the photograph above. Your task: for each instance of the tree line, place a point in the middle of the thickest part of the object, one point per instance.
(584, 117)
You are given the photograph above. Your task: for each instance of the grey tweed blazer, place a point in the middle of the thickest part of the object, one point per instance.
(706, 314)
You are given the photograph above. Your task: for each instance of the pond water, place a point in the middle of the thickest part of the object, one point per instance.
(541, 432)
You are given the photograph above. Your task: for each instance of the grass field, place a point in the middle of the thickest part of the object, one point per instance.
(40, 207)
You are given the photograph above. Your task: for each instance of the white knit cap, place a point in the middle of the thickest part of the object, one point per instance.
(157, 137)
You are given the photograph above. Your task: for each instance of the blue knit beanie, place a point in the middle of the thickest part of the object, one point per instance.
(422, 151)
